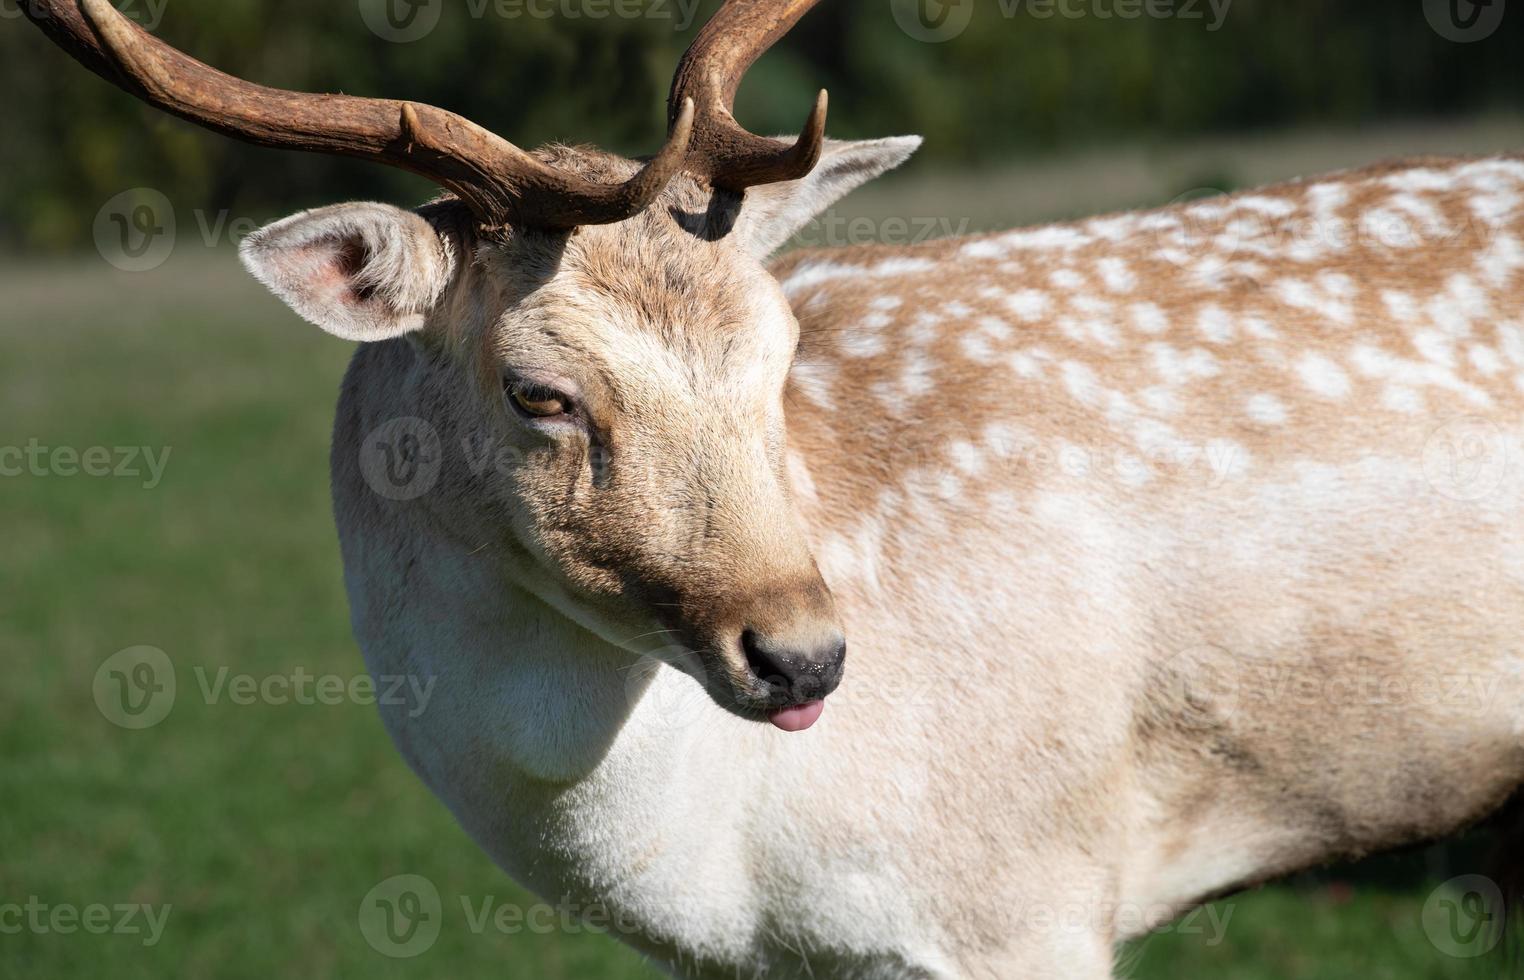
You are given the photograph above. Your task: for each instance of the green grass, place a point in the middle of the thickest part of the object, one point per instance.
(264, 826)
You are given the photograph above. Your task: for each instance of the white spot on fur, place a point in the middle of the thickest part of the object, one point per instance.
(1402, 307)
(1322, 376)
(1329, 299)
(1029, 304)
(799, 477)
(1485, 359)
(813, 380)
(1511, 342)
(1092, 305)
(1082, 383)
(813, 274)
(1177, 368)
(1400, 398)
(901, 267)
(995, 328)
(1501, 260)
(1029, 363)
(976, 347)
(1049, 239)
(1001, 440)
(1274, 207)
(1266, 409)
(1117, 276)
(1067, 279)
(1089, 329)
(967, 457)
(1149, 318)
(1215, 325)
(1420, 180)
(1436, 347)
(1160, 400)
(924, 329)
(1374, 362)
(1260, 329)
(860, 343)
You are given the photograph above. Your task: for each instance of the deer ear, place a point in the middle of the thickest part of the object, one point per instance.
(772, 213)
(359, 271)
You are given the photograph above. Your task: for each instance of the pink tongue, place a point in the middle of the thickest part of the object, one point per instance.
(797, 718)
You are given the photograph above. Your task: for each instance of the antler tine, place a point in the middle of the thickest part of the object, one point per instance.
(499, 182)
(711, 71)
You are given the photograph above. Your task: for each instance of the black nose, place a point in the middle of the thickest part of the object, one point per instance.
(794, 676)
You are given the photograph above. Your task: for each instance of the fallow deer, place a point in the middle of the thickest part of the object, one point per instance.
(1175, 550)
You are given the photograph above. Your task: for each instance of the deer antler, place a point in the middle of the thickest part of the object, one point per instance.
(499, 182)
(708, 76)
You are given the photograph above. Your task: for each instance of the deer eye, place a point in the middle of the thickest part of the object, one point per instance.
(537, 401)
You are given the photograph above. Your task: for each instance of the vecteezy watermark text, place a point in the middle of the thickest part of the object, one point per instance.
(935, 21)
(301, 687)
(64, 919)
(136, 688)
(402, 916)
(116, 462)
(405, 21)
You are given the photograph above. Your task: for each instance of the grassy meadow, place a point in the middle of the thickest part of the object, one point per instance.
(262, 827)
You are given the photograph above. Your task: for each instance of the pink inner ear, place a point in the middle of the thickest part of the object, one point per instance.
(329, 268)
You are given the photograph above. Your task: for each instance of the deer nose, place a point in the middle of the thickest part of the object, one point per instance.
(795, 672)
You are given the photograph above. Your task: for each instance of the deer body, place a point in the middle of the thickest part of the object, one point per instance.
(1174, 551)
(1146, 602)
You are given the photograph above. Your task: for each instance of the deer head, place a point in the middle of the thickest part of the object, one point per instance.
(610, 323)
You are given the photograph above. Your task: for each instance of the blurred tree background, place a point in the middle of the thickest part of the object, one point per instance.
(1013, 83)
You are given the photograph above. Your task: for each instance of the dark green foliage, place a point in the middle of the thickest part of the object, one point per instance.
(1012, 83)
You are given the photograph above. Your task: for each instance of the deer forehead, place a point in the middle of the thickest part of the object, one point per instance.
(653, 315)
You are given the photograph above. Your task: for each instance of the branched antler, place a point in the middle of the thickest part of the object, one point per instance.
(709, 74)
(502, 184)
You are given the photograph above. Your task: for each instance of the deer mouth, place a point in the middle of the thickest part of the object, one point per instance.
(773, 658)
(798, 717)
(733, 685)
(789, 696)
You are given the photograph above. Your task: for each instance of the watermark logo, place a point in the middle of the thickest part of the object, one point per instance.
(135, 688)
(1466, 459)
(1464, 21)
(135, 230)
(401, 21)
(1199, 687)
(932, 21)
(401, 458)
(401, 917)
(1464, 917)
